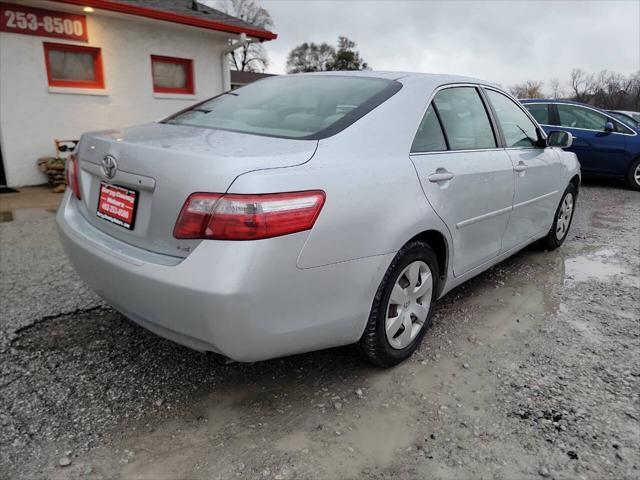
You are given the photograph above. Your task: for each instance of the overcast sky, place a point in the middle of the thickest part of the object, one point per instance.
(502, 41)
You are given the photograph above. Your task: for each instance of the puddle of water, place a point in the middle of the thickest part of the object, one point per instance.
(596, 266)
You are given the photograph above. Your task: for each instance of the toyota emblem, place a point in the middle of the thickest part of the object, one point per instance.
(109, 166)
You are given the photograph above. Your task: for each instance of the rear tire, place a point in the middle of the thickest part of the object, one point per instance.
(403, 306)
(633, 175)
(562, 220)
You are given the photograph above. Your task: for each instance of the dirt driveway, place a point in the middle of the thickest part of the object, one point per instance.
(531, 370)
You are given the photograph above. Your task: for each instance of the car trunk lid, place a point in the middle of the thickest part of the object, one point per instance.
(164, 164)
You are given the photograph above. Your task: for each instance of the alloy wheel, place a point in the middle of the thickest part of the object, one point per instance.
(409, 304)
(564, 216)
(636, 175)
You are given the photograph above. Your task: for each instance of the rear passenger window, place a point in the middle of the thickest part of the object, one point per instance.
(429, 137)
(464, 119)
(540, 112)
(517, 127)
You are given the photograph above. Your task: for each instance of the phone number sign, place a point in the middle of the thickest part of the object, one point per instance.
(46, 23)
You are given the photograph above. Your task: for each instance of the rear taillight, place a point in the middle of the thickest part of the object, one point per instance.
(72, 175)
(247, 217)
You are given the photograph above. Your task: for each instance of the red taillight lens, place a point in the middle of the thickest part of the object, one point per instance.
(195, 215)
(72, 175)
(248, 217)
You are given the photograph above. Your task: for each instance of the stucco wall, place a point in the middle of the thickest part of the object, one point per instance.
(31, 116)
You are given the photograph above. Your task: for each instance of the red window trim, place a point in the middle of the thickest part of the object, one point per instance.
(190, 88)
(98, 83)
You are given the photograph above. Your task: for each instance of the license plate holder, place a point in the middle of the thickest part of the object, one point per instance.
(117, 204)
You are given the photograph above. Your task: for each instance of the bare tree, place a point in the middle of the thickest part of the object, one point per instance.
(251, 57)
(605, 89)
(582, 85)
(610, 89)
(633, 92)
(528, 89)
(554, 85)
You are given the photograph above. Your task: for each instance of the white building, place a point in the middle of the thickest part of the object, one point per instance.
(70, 66)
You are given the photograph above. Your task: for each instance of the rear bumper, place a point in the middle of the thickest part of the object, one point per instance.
(245, 300)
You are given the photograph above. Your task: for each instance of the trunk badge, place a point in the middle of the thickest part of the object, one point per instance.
(109, 166)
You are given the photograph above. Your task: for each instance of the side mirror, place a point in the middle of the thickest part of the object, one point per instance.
(560, 139)
(608, 127)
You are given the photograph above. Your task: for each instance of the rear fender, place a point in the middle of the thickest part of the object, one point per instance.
(367, 212)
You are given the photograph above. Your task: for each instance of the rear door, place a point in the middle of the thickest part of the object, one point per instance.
(598, 150)
(467, 179)
(537, 170)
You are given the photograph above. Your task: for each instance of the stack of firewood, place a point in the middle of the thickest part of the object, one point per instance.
(54, 168)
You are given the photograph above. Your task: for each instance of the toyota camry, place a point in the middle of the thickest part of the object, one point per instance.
(309, 211)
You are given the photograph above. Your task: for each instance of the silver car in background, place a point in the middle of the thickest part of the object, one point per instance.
(311, 211)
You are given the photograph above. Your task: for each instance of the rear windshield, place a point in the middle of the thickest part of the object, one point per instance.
(303, 107)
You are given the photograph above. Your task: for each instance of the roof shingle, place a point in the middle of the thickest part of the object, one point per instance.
(183, 7)
(180, 11)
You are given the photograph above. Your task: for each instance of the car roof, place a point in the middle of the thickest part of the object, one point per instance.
(556, 100)
(560, 100)
(392, 75)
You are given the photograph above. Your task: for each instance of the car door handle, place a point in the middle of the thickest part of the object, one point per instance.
(521, 167)
(440, 177)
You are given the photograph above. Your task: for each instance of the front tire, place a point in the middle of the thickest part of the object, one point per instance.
(403, 306)
(633, 175)
(562, 220)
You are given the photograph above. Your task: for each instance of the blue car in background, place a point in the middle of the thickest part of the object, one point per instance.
(628, 118)
(604, 145)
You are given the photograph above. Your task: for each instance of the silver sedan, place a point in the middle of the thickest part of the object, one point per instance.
(310, 211)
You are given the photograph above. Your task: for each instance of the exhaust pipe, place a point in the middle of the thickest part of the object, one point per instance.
(220, 360)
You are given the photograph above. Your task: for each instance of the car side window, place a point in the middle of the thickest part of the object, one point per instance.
(539, 111)
(620, 127)
(464, 119)
(574, 116)
(517, 127)
(429, 137)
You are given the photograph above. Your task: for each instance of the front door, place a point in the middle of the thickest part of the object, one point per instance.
(598, 150)
(536, 170)
(467, 179)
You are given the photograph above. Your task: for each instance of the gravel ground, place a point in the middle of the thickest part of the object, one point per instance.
(36, 281)
(530, 371)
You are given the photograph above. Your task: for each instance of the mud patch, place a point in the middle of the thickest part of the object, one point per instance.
(604, 220)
